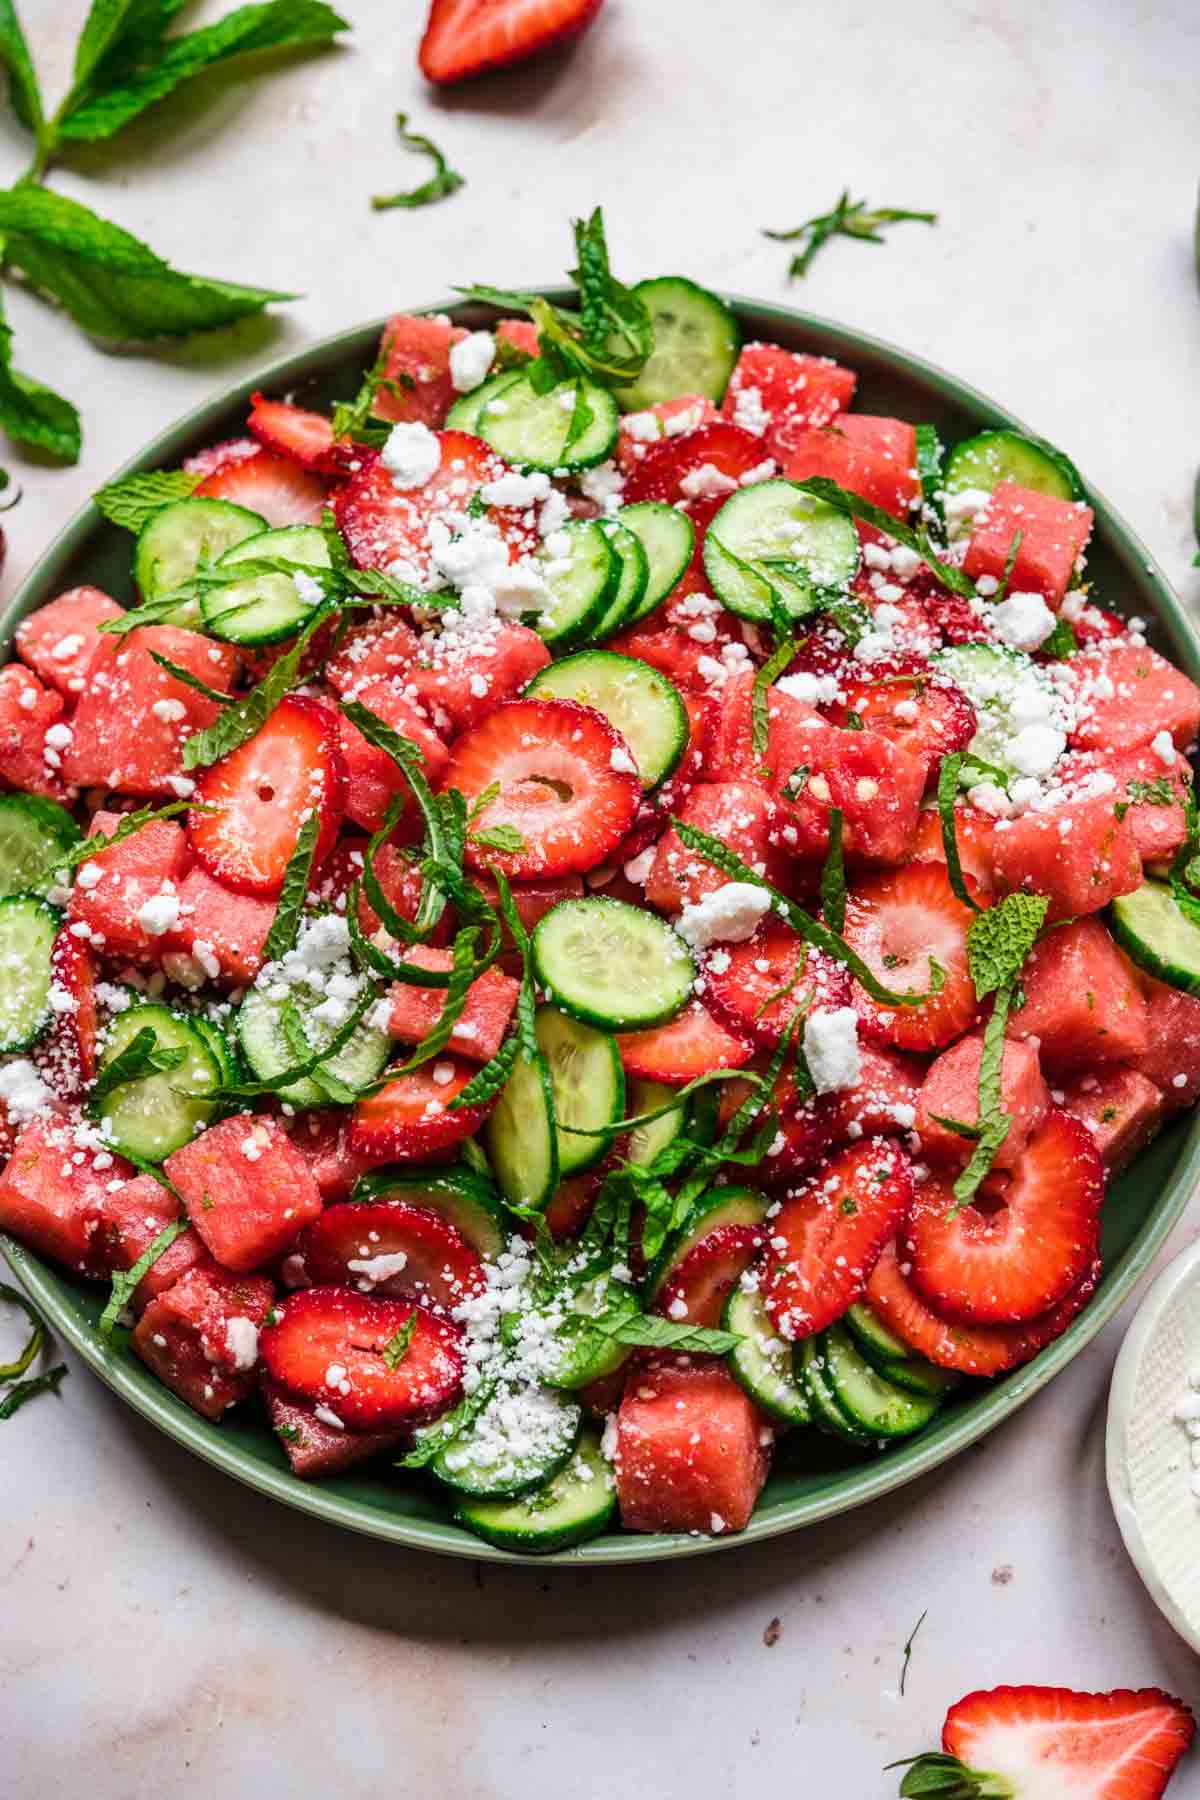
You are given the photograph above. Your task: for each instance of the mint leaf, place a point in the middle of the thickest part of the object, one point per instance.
(441, 184)
(500, 837)
(33, 413)
(156, 68)
(109, 281)
(125, 1281)
(855, 507)
(656, 1333)
(1000, 938)
(131, 502)
(139, 1058)
(38, 1336)
(833, 875)
(848, 218)
(293, 895)
(24, 93)
(947, 788)
(395, 1351)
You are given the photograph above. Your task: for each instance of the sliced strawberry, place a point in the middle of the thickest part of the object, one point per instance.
(571, 1203)
(690, 1045)
(391, 1249)
(897, 922)
(393, 528)
(970, 1349)
(410, 1117)
(469, 37)
(1045, 1740)
(263, 792)
(67, 1053)
(911, 704)
(220, 456)
(671, 471)
(271, 485)
(806, 1129)
(884, 1098)
(327, 1345)
(754, 988)
(562, 780)
(303, 437)
(829, 1231)
(1024, 1242)
(781, 394)
(59, 640)
(641, 431)
(696, 1290)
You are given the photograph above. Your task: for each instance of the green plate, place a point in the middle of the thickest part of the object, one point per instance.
(813, 1479)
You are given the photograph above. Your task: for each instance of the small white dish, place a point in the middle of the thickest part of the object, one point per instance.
(1147, 1451)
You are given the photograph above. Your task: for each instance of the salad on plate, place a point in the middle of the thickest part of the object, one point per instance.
(600, 910)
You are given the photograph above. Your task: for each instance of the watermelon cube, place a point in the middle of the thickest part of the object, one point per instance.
(729, 753)
(378, 650)
(692, 1453)
(132, 719)
(1121, 1108)
(533, 899)
(312, 1447)
(1083, 1003)
(133, 1213)
(951, 1091)
(418, 361)
(479, 1029)
(878, 786)
(1081, 854)
(372, 778)
(247, 1189)
(112, 888)
(884, 1098)
(1171, 1052)
(1053, 536)
(742, 815)
(222, 932)
(29, 761)
(1150, 790)
(782, 394)
(973, 832)
(1128, 694)
(873, 457)
(49, 1200)
(200, 1337)
(458, 682)
(59, 640)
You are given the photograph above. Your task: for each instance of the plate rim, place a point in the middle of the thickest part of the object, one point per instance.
(869, 1482)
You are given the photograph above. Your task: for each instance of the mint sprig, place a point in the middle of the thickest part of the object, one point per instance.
(847, 218)
(140, 1058)
(441, 184)
(136, 499)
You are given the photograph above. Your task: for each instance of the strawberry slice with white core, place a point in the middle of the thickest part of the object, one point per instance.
(389, 1248)
(567, 786)
(405, 522)
(828, 1233)
(303, 437)
(898, 922)
(410, 1118)
(262, 793)
(1050, 1743)
(469, 37)
(755, 987)
(272, 485)
(1025, 1241)
(327, 1345)
(698, 1288)
(690, 1044)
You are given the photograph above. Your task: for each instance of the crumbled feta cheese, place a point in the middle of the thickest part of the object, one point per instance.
(411, 455)
(642, 427)
(729, 915)
(831, 1049)
(23, 1093)
(308, 588)
(1035, 749)
(1022, 620)
(620, 760)
(1163, 746)
(604, 485)
(241, 1341)
(514, 489)
(160, 914)
(706, 483)
(470, 360)
(169, 711)
(374, 1270)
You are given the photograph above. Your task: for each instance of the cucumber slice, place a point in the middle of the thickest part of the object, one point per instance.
(157, 1114)
(696, 343)
(225, 1053)
(28, 928)
(612, 964)
(34, 833)
(582, 572)
(574, 1505)
(522, 1144)
(267, 608)
(173, 543)
(1153, 928)
(641, 703)
(871, 1402)
(772, 536)
(635, 575)
(467, 410)
(916, 1376)
(532, 429)
(668, 538)
(587, 1082)
(762, 1363)
(646, 1141)
(979, 462)
(464, 1200)
(263, 1041)
(523, 1437)
(812, 1370)
(997, 681)
(891, 1356)
(572, 1355)
(720, 1206)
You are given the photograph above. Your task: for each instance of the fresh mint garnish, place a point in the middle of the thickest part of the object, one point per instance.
(136, 499)
(848, 218)
(441, 184)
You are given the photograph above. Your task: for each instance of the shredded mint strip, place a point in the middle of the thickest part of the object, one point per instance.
(125, 1281)
(857, 508)
(396, 1350)
(293, 895)
(26, 1387)
(441, 184)
(947, 789)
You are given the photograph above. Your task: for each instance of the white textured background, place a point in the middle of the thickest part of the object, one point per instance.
(163, 1632)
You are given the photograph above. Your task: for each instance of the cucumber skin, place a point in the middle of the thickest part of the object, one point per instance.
(641, 392)
(53, 919)
(456, 1484)
(798, 1414)
(721, 1206)
(576, 632)
(545, 683)
(657, 591)
(473, 1515)
(488, 1235)
(1145, 956)
(578, 1009)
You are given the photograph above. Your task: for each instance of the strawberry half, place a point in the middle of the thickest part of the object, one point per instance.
(1024, 1242)
(742, 980)
(698, 1288)
(969, 1349)
(469, 37)
(904, 699)
(828, 1233)
(1039, 1741)
(410, 1117)
(806, 1130)
(897, 922)
(563, 780)
(327, 1345)
(691, 1044)
(303, 437)
(390, 1249)
(263, 792)
(271, 485)
(220, 456)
